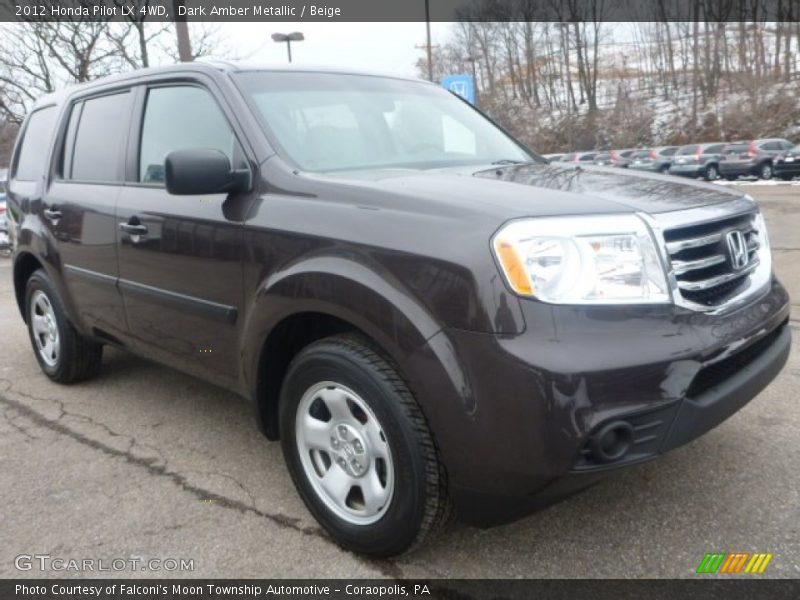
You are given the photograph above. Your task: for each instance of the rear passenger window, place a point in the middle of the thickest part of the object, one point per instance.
(101, 124)
(180, 118)
(35, 146)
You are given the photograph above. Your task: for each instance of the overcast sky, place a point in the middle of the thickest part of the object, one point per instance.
(385, 47)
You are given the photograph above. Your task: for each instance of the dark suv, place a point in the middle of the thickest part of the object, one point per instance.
(426, 314)
(752, 159)
(697, 160)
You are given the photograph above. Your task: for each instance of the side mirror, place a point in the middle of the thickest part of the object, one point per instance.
(204, 171)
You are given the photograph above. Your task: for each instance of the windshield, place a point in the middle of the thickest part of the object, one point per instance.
(334, 122)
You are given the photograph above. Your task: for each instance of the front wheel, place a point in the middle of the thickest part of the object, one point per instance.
(358, 448)
(766, 171)
(711, 173)
(64, 354)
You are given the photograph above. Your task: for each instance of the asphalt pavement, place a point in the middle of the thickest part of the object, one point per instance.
(146, 463)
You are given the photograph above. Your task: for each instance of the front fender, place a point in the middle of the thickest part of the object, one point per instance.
(338, 286)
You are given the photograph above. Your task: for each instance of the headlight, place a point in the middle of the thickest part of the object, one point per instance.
(582, 260)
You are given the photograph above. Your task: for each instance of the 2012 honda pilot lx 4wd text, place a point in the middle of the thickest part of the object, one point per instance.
(427, 315)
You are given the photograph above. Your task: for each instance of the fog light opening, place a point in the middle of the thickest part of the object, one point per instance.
(612, 441)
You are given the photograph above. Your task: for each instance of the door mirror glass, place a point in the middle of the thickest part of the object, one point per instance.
(203, 171)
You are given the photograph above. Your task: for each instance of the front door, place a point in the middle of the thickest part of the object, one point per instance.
(180, 257)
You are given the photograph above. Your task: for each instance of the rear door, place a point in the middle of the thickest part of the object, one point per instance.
(180, 257)
(81, 201)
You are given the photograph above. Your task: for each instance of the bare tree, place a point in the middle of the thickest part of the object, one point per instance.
(39, 57)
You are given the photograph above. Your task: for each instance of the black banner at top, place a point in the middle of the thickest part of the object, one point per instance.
(400, 10)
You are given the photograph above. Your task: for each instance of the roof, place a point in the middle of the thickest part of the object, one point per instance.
(210, 66)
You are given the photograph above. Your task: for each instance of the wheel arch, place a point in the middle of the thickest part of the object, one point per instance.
(25, 265)
(323, 297)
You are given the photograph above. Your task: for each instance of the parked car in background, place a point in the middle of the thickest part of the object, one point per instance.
(4, 243)
(579, 157)
(654, 160)
(754, 158)
(787, 165)
(697, 160)
(553, 157)
(603, 160)
(621, 158)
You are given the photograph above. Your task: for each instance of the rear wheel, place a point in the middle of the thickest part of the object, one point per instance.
(765, 172)
(64, 355)
(711, 173)
(358, 448)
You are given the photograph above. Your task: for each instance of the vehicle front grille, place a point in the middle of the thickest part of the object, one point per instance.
(702, 261)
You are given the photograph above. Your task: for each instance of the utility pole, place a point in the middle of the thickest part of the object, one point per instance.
(182, 31)
(428, 43)
(473, 59)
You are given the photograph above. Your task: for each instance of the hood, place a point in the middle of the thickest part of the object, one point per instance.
(643, 192)
(537, 189)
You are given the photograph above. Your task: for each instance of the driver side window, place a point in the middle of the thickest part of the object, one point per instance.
(180, 118)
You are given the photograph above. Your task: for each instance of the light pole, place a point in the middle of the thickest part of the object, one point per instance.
(295, 36)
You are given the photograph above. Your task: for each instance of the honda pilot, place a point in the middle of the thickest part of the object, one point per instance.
(431, 318)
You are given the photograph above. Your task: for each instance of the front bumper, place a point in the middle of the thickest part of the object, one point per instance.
(514, 415)
(783, 168)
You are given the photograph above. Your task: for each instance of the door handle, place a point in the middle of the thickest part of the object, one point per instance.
(133, 228)
(52, 214)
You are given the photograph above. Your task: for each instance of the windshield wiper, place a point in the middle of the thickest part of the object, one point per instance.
(507, 161)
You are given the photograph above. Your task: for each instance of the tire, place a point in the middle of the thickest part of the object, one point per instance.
(664, 170)
(63, 354)
(711, 173)
(765, 171)
(344, 392)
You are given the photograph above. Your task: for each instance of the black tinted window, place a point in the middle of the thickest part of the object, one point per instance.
(180, 118)
(35, 145)
(100, 138)
(771, 146)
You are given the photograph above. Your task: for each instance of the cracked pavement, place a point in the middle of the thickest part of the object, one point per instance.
(147, 462)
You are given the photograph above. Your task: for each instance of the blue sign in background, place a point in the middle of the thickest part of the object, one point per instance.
(463, 85)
